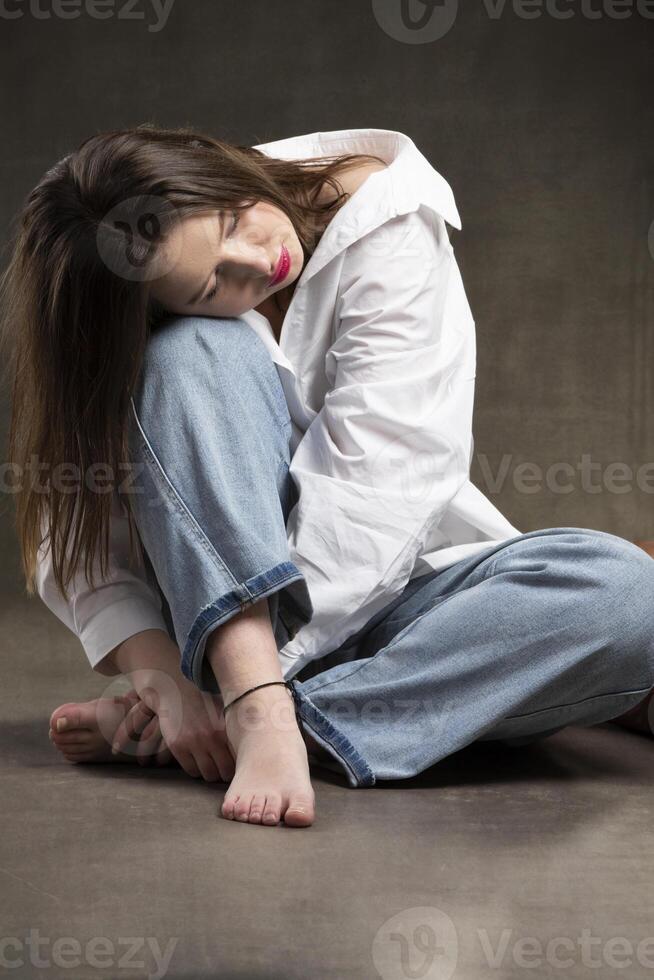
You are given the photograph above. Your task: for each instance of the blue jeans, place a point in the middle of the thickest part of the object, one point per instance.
(551, 628)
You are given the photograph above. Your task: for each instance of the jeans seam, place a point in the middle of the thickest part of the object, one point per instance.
(178, 503)
(303, 701)
(572, 704)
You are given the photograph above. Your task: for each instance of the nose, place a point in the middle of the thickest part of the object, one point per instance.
(249, 259)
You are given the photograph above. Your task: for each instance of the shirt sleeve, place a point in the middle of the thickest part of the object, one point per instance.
(391, 445)
(124, 603)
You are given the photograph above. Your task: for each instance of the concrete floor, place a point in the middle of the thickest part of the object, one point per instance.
(468, 871)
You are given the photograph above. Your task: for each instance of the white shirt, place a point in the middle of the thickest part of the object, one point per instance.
(377, 360)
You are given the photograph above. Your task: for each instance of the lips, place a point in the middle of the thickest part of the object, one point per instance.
(283, 265)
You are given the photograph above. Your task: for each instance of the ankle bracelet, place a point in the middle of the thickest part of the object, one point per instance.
(267, 684)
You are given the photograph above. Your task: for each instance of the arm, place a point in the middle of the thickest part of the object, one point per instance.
(123, 605)
(122, 630)
(391, 445)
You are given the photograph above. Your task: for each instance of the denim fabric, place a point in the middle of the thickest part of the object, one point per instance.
(550, 628)
(211, 513)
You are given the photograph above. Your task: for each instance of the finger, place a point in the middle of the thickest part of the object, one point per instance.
(224, 762)
(127, 699)
(187, 762)
(207, 767)
(148, 743)
(131, 727)
(151, 735)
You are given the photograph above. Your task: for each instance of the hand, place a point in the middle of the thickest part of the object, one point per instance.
(139, 734)
(190, 723)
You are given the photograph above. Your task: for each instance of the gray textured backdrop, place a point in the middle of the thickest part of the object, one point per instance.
(542, 126)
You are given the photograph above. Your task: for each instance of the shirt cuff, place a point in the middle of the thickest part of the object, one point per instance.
(115, 623)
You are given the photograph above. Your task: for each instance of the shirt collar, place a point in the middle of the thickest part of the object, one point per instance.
(408, 182)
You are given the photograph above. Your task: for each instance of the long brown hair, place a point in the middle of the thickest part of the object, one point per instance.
(77, 311)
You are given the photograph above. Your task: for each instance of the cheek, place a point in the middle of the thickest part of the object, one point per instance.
(271, 223)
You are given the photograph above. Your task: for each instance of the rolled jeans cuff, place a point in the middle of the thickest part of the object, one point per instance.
(289, 604)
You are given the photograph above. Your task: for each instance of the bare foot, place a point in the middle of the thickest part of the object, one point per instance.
(83, 731)
(272, 779)
(640, 718)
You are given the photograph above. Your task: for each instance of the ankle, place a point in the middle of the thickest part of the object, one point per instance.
(242, 652)
(268, 709)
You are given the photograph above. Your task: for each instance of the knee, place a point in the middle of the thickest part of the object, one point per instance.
(207, 361)
(632, 579)
(621, 577)
(209, 375)
(184, 347)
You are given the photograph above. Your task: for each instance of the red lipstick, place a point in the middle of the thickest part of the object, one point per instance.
(282, 268)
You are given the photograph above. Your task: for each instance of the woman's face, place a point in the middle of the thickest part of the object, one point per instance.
(222, 264)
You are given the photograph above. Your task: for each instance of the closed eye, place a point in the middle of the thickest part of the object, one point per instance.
(236, 215)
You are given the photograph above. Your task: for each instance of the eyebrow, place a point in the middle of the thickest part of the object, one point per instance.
(196, 296)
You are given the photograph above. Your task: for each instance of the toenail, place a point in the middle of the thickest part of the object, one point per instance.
(62, 723)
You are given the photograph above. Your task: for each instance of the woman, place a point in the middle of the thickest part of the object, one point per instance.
(277, 341)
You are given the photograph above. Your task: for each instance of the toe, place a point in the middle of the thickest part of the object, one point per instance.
(256, 808)
(242, 808)
(300, 811)
(272, 809)
(70, 716)
(76, 737)
(227, 808)
(58, 712)
(63, 711)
